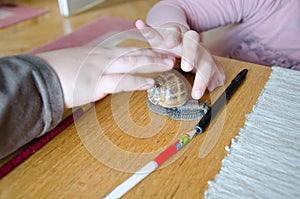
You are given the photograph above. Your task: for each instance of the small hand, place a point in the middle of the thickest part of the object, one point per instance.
(166, 38)
(88, 74)
(184, 43)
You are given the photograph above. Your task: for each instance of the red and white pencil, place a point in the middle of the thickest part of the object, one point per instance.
(138, 176)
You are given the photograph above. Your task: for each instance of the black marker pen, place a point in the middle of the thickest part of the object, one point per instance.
(221, 101)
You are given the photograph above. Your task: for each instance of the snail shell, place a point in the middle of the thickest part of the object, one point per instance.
(170, 90)
(170, 96)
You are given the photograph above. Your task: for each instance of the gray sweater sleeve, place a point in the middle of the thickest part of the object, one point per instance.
(31, 101)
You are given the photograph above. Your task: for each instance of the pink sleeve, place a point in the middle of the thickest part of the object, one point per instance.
(202, 15)
(165, 12)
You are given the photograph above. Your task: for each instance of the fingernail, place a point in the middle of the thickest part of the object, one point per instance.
(148, 83)
(186, 66)
(170, 41)
(197, 94)
(170, 38)
(169, 62)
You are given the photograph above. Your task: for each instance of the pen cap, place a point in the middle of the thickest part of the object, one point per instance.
(235, 83)
(240, 77)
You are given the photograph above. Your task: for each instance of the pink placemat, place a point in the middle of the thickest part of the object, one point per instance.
(93, 33)
(10, 15)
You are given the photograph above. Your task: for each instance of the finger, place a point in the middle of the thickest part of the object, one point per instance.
(190, 50)
(113, 52)
(140, 64)
(137, 51)
(218, 78)
(172, 36)
(202, 77)
(110, 84)
(150, 34)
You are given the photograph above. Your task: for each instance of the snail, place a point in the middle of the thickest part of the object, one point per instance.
(170, 97)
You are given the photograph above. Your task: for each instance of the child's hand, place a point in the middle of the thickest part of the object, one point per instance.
(168, 37)
(184, 43)
(88, 74)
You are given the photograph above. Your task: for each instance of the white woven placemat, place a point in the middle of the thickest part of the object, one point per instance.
(264, 159)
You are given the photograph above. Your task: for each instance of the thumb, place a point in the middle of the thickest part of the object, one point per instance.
(150, 34)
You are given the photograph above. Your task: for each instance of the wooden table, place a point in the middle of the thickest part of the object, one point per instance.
(117, 137)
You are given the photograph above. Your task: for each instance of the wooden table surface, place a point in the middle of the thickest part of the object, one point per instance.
(119, 135)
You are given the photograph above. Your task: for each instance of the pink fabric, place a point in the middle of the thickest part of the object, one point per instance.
(10, 15)
(267, 32)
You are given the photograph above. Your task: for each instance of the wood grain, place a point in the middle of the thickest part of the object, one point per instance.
(102, 149)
